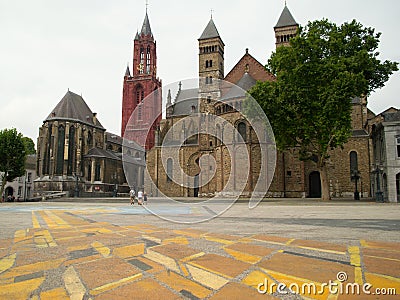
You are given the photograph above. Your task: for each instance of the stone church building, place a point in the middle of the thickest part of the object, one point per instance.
(76, 154)
(293, 178)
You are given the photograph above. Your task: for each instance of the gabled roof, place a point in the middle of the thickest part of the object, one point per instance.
(97, 152)
(210, 31)
(184, 101)
(146, 30)
(286, 19)
(239, 90)
(72, 107)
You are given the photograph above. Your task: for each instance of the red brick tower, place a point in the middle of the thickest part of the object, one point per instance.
(137, 86)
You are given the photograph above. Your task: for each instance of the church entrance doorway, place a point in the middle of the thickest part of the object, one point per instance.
(196, 186)
(315, 185)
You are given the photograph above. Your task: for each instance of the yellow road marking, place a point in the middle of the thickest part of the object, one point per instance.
(170, 263)
(7, 262)
(183, 268)
(380, 257)
(19, 235)
(289, 241)
(115, 284)
(322, 250)
(222, 241)
(20, 290)
(57, 293)
(73, 284)
(355, 260)
(129, 251)
(35, 222)
(105, 251)
(185, 259)
(252, 259)
(206, 278)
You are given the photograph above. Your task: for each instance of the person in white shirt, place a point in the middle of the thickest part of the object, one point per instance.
(140, 197)
(132, 195)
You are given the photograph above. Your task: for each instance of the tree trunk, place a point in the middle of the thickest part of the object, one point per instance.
(325, 194)
(3, 183)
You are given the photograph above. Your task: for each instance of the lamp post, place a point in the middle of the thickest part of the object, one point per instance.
(355, 176)
(379, 194)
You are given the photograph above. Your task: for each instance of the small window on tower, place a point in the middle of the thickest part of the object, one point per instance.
(398, 146)
(208, 99)
(206, 63)
(210, 64)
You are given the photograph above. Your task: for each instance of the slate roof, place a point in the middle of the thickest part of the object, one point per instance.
(359, 133)
(286, 19)
(184, 101)
(72, 107)
(98, 152)
(146, 30)
(392, 116)
(210, 31)
(239, 90)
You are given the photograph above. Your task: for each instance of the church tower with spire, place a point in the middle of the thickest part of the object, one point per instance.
(286, 28)
(140, 118)
(211, 66)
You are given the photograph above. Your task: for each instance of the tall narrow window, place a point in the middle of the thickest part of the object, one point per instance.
(46, 158)
(60, 150)
(140, 111)
(89, 171)
(139, 95)
(89, 140)
(169, 169)
(206, 63)
(148, 60)
(210, 63)
(242, 130)
(141, 65)
(353, 161)
(398, 146)
(71, 151)
(97, 172)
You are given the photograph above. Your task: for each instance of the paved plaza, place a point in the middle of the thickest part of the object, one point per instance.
(105, 250)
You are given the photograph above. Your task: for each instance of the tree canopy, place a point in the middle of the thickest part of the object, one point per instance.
(12, 156)
(317, 76)
(29, 145)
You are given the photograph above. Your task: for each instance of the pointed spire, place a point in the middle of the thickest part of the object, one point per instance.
(286, 18)
(210, 31)
(127, 72)
(169, 98)
(137, 36)
(146, 30)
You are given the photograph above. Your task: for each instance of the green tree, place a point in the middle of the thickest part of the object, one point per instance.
(309, 103)
(12, 156)
(29, 145)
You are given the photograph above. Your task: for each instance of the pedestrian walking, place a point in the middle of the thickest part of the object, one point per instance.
(132, 194)
(140, 197)
(145, 198)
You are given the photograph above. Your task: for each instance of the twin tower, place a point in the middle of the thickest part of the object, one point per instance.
(140, 119)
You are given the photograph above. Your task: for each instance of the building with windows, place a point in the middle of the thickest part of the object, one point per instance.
(22, 188)
(348, 170)
(385, 134)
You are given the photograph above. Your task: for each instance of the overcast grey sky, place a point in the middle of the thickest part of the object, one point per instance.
(49, 46)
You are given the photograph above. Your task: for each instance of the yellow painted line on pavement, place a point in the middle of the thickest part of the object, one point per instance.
(49, 221)
(380, 257)
(7, 262)
(20, 290)
(44, 239)
(252, 259)
(222, 241)
(19, 235)
(183, 268)
(73, 284)
(129, 251)
(59, 221)
(35, 222)
(36, 267)
(206, 278)
(115, 284)
(177, 240)
(355, 260)
(185, 259)
(57, 293)
(105, 251)
(166, 261)
(255, 278)
(321, 250)
(289, 241)
(385, 276)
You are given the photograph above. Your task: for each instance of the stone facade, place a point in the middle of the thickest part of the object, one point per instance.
(220, 173)
(77, 156)
(385, 133)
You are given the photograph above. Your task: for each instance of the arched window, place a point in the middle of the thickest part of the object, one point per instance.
(90, 140)
(169, 169)
(353, 161)
(89, 171)
(139, 94)
(242, 130)
(210, 63)
(60, 150)
(71, 151)
(206, 63)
